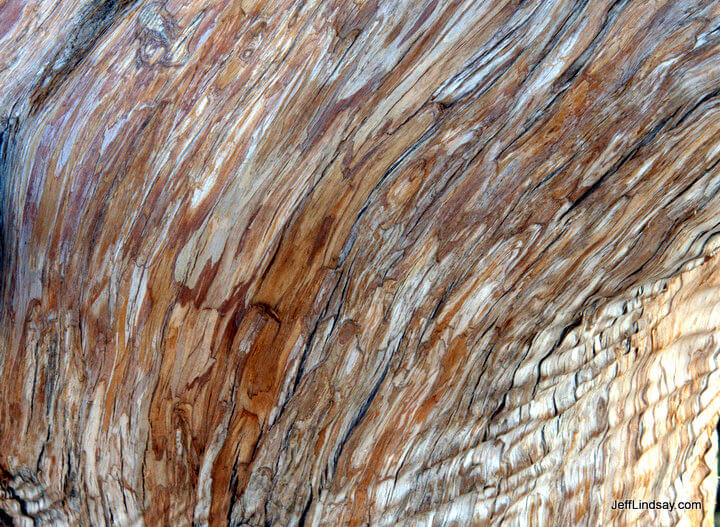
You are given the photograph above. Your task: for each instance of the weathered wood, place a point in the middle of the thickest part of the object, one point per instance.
(359, 262)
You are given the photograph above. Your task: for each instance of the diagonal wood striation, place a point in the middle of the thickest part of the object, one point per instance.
(358, 262)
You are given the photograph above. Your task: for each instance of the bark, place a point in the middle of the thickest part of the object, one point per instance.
(363, 262)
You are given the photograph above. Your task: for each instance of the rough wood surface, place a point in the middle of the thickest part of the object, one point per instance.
(369, 262)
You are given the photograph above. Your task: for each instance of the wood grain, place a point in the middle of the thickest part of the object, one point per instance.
(368, 262)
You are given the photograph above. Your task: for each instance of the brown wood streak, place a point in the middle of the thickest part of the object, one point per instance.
(358, 262)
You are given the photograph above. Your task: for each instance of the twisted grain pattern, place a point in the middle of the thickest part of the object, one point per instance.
(365, 262)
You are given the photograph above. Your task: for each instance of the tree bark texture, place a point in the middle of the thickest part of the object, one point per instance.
(359, 262)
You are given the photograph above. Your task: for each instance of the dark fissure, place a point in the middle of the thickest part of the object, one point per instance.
(717, 491)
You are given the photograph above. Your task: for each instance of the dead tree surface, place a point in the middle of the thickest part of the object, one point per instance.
(370, 262)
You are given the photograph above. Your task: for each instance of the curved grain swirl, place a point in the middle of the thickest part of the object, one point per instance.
(359, 262)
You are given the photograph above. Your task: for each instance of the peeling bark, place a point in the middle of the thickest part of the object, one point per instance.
(359, 262)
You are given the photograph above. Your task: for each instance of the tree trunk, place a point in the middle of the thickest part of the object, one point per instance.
(359, 262)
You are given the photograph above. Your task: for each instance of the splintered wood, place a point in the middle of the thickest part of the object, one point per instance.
(348, 263)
